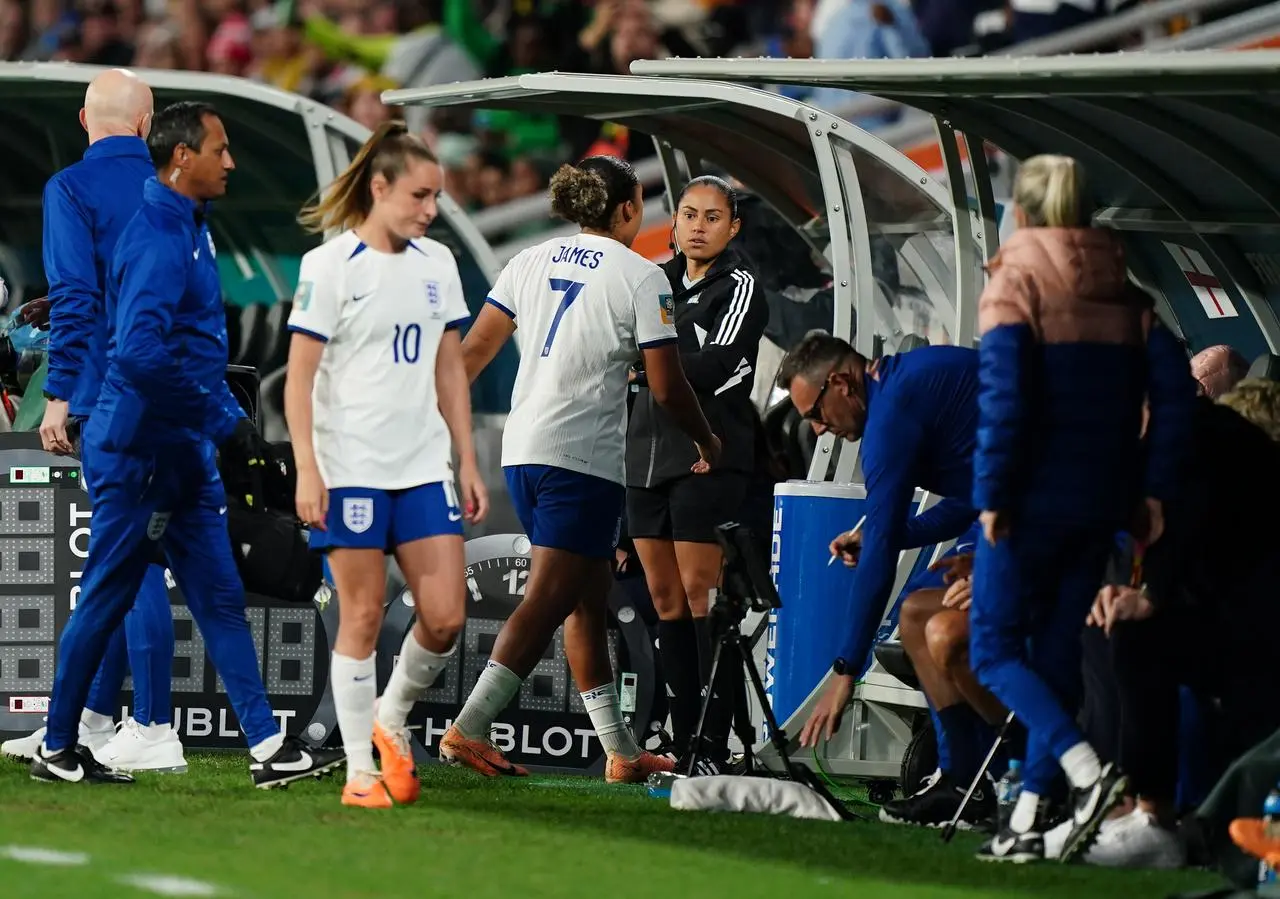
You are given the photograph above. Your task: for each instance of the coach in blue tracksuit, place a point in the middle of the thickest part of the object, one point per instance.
(86, 206)
(163, 412)
(917, 415)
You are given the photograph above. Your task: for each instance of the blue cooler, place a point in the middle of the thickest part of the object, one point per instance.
(805, 635)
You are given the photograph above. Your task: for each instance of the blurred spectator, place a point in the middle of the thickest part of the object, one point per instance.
(158, 47)
(1217, 370)
(363, 101)
(13, 29)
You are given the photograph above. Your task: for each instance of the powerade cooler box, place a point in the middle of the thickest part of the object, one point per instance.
(805, 635)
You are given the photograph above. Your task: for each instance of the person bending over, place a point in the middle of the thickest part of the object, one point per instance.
(582, 308)
(376, 388)
(164, 411)
(1059, 469)
(720, 315)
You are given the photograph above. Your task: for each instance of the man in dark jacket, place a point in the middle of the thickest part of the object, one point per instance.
(86, 207)
(163, 411)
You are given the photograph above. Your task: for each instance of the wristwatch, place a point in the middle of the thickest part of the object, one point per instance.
(840, 667)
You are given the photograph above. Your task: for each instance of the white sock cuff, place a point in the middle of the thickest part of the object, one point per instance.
(1023, 817)
(412, 648)
(596, 695)
(345, 666)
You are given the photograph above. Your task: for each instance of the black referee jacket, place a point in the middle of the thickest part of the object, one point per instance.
(719, 323)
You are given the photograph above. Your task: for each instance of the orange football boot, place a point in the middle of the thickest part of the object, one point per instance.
(366, 791)
(398, 772)
(637, 770)
(1250, 834)
(478, 755)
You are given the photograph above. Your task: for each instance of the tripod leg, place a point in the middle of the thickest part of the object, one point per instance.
(950, 830)
(696, 742)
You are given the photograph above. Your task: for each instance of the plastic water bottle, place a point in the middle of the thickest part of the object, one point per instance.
(1268, 877)
(1007, 792)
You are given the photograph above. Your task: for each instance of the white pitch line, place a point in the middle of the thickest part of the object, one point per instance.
(168, 885)
(36, 855)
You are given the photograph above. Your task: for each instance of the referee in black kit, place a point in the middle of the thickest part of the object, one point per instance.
(721, 314)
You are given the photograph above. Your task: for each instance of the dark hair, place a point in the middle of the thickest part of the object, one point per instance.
(349, 199)
(588, 193)
(176, 124)
(817, 355)
(715, 183)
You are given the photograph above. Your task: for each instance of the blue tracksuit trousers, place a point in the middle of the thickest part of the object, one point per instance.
(1031, 594)
(143, 645)
(173, 495)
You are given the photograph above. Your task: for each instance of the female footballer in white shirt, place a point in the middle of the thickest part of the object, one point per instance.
(375, 389)
(586, 307)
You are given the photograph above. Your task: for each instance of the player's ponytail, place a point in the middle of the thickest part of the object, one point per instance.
(589, 193)
(1051, 192)
(349, 199)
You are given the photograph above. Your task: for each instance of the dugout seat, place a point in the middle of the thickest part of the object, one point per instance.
(1265, 366)
(253, 335)
(892, 656)
(271, 421)
(276, 340)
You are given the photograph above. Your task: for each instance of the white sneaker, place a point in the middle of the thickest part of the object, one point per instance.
(138, 748)
(1134, 840)
(23, 749)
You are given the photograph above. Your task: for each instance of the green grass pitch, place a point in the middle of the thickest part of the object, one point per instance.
(473, 838)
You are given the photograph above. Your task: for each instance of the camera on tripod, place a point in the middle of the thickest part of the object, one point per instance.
(747, 582)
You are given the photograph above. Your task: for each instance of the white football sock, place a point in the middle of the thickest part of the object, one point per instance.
(606, 717)
(415, 671)
(267, 748)
(94, 721)
(493, 692)
(1024, 812)
(1081, 765)
(355, 687)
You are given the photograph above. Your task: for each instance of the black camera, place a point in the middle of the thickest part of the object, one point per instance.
(746, 573)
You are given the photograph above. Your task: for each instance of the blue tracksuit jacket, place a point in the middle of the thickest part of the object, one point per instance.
(86, 206)
(922, 417)
(167, 359)
(1065, 363)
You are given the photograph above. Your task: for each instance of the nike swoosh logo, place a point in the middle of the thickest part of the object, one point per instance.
(454, 516)
(302, 764)
(361, 297)
(361, 679)
(73, 776)
(222, 510)
(1001, 847)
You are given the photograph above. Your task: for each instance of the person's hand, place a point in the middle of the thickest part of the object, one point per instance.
(708, 456)
(53, 429)
(311, 499)
(848, 546)
(995, 525)
(631, 375)
(475, 497)
(959, 595)
(620, 558)
(246, 454)
(36, 314)
(954, 568)
(1119, 604)
(825, 719)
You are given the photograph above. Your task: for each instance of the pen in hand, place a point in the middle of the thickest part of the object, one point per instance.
(857, 527)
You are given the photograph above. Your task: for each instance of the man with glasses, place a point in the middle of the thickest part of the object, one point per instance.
(917, 415)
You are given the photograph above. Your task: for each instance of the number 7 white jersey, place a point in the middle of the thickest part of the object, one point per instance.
(377, 421)
(584, 307)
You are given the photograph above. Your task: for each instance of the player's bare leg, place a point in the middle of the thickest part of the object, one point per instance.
(360, 578)
(433, 569)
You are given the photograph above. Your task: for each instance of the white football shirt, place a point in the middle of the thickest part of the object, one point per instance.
(377, 423)
(584, 307)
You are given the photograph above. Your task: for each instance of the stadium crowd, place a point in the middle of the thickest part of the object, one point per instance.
(345, 53)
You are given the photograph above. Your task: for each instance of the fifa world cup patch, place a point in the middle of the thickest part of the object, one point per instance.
(302, 296)
(667, 303)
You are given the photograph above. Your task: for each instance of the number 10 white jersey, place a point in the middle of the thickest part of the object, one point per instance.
(377, 422)
(584, 307)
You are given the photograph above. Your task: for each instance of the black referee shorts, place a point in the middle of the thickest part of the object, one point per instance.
(688, 509)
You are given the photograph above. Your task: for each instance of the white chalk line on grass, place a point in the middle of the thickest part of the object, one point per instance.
(160, 884)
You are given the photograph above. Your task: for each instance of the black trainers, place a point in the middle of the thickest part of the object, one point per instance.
(935, 804)
(1017, 848)
(1090, 807)
(294, 761)
(75, 765)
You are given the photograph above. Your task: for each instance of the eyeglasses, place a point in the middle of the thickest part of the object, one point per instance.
(815, 411)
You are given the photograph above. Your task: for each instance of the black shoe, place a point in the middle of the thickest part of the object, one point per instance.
(294, 761)
(1016, 848)
(1089, 808)
(936, 803)
(75, 765)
